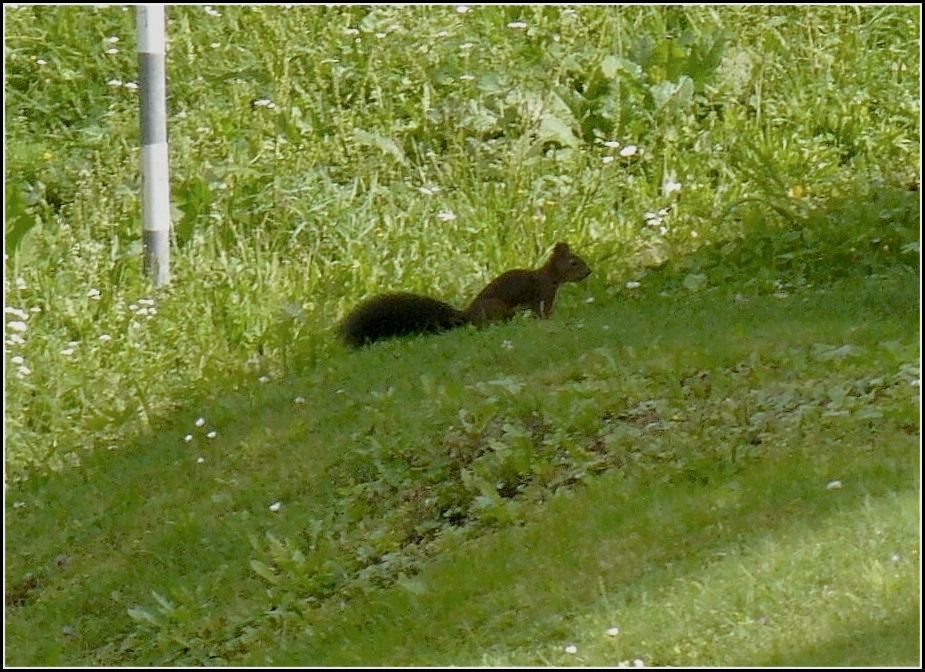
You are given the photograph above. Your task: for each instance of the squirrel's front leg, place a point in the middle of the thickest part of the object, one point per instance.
(544, 307)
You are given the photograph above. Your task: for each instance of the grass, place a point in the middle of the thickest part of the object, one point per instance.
(706, 484)
(727, 583)
(202, 475)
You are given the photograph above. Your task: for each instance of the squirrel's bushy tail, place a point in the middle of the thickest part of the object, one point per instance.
(399, 314)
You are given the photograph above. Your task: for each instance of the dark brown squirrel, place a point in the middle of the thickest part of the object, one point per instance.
(403, 313)
(524, 288)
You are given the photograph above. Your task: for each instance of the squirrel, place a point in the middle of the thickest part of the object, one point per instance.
(523, 288)
(403, 313)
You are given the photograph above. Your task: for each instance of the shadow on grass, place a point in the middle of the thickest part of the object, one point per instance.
(152, 500)
(631, 537)
(893, 641)
(778, 241)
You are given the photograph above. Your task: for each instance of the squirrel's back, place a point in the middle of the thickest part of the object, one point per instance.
(397, 314)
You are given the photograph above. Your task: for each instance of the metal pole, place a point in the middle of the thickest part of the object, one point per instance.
(155, 170)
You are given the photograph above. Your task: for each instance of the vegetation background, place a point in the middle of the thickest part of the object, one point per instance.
(708, 457)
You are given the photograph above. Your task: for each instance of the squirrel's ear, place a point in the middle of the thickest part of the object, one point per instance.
(561, 248)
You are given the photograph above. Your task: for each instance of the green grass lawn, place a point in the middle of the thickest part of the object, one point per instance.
(708, 456)
(682, 489)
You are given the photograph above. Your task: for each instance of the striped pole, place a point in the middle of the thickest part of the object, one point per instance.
(155, 172)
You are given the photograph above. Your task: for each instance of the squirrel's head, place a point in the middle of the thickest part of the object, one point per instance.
(571, 267)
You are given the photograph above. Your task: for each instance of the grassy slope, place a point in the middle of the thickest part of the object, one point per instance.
(655, 459)
(701, 556)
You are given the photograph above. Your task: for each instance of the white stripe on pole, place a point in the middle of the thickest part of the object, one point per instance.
(155, 169)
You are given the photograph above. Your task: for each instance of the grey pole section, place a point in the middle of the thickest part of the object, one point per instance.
(155, 172)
